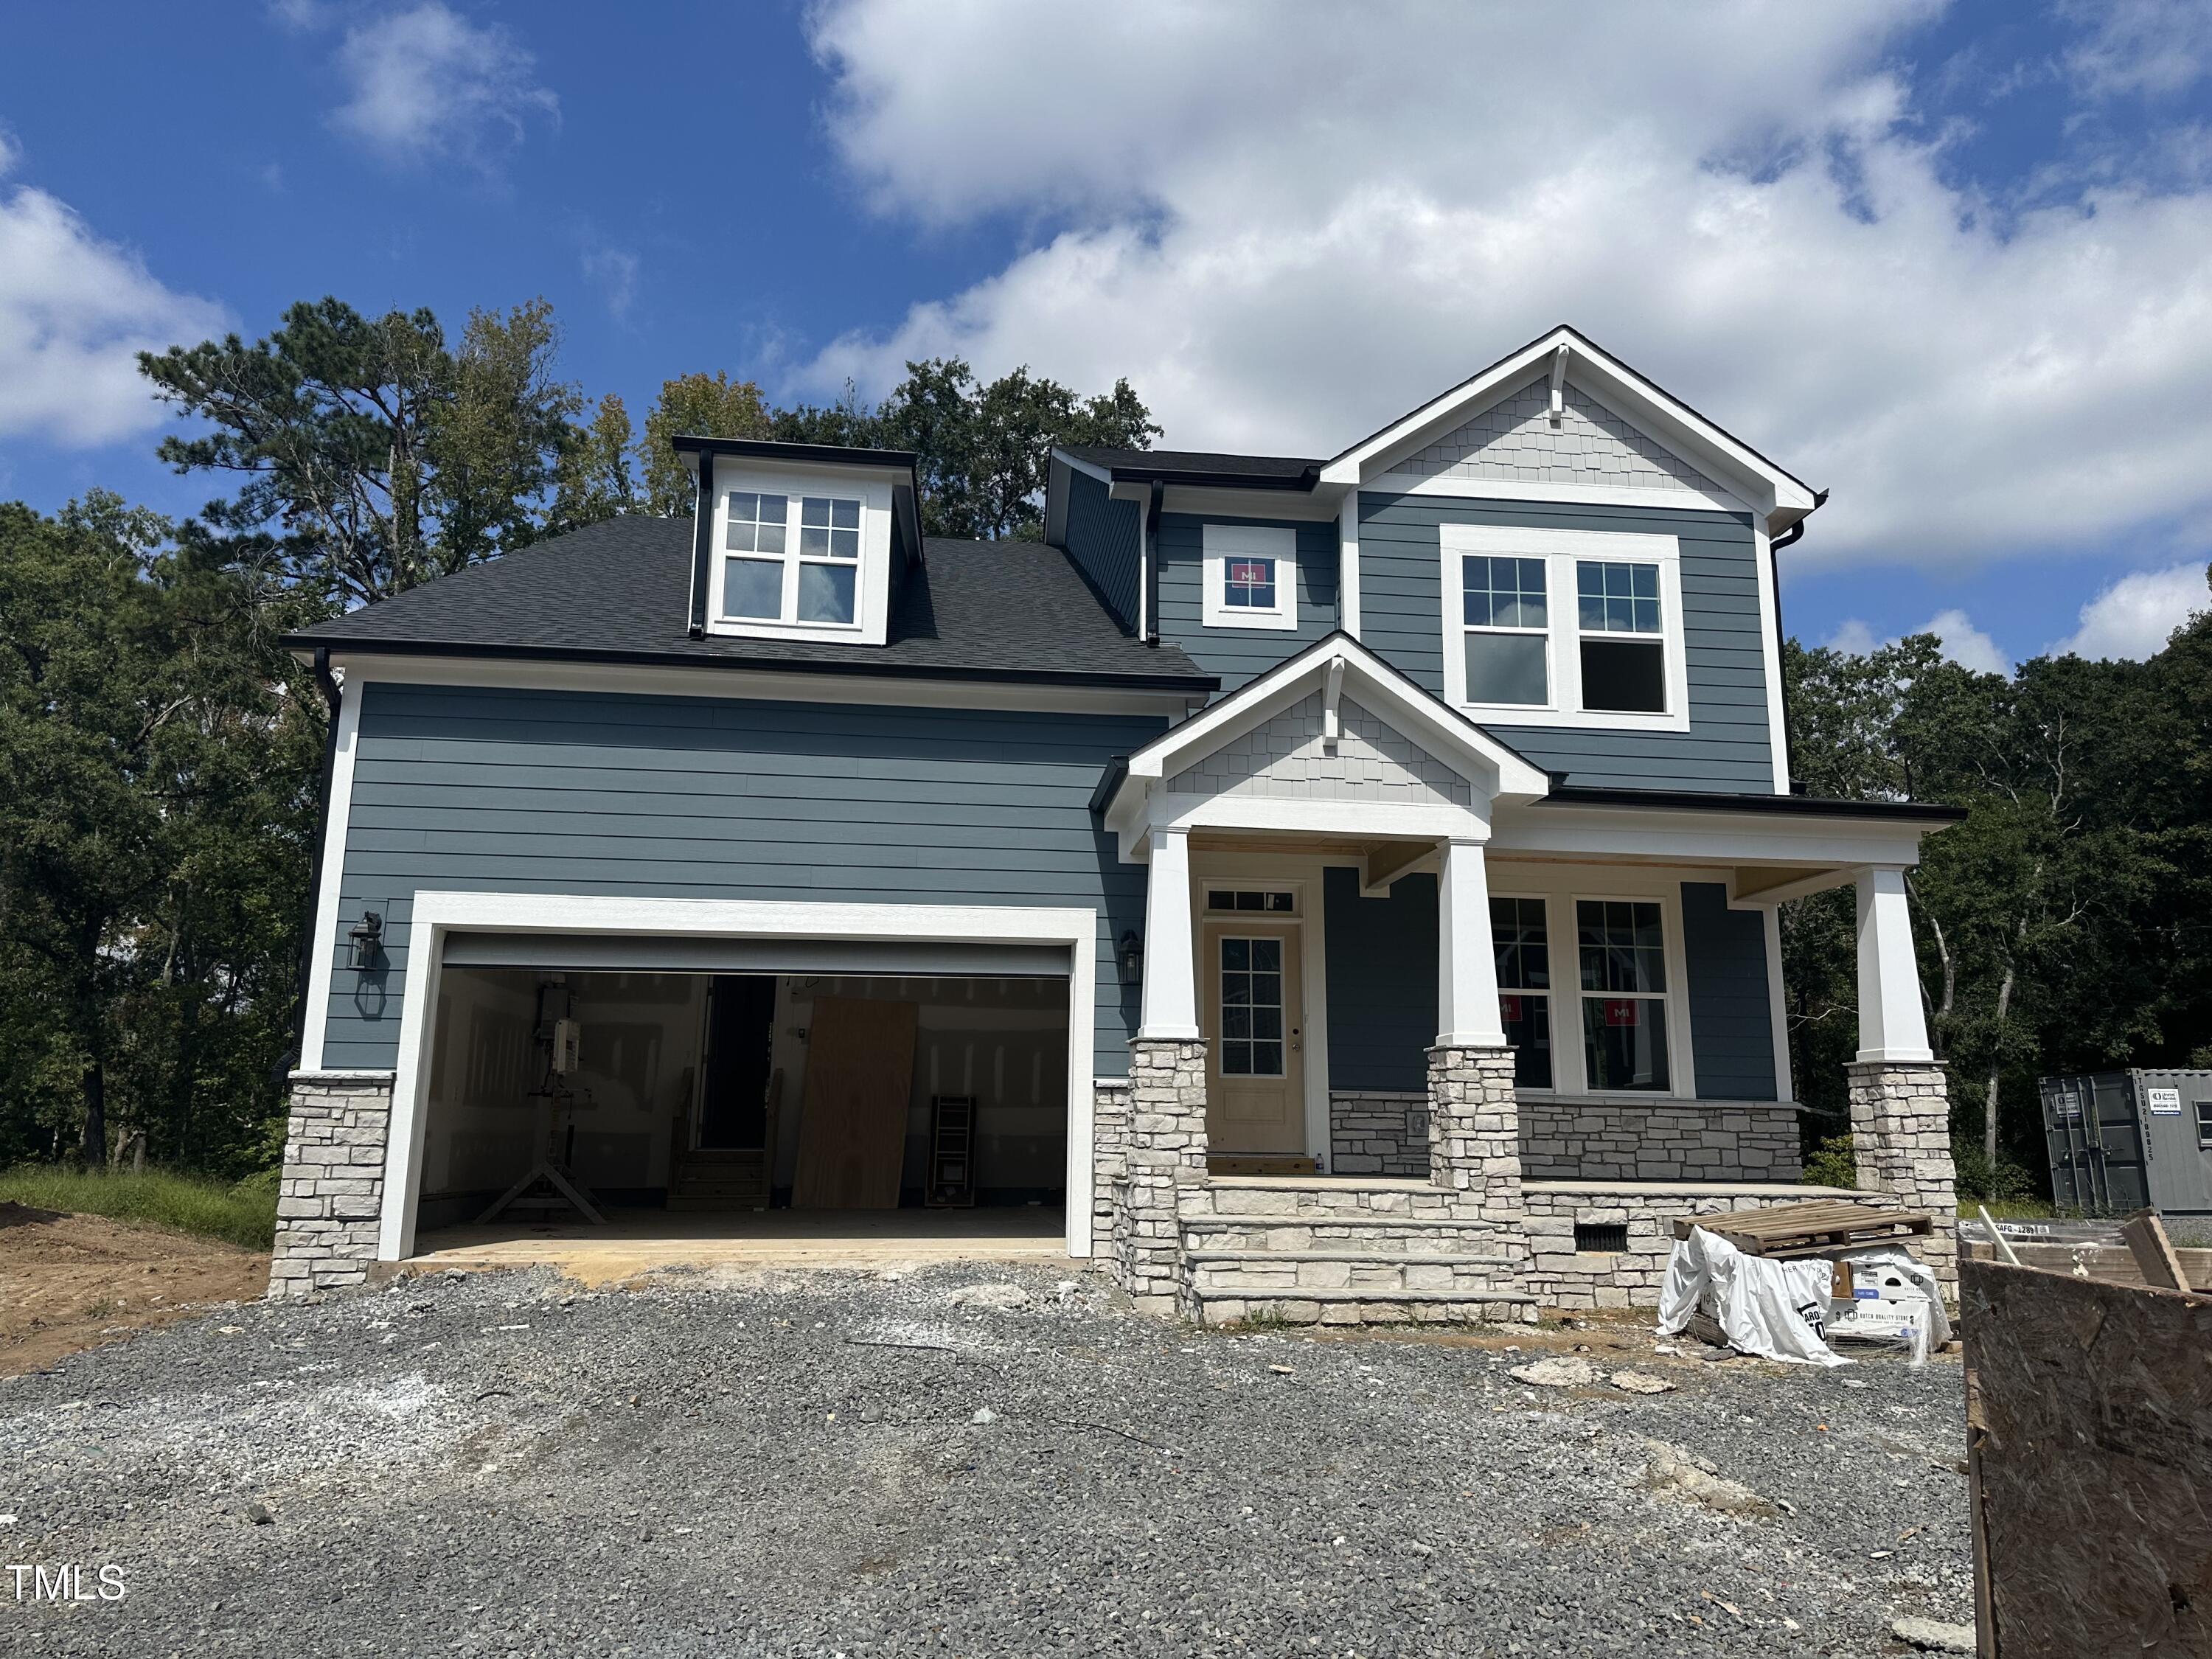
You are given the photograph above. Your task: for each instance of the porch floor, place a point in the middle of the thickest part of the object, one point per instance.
(636, 1241)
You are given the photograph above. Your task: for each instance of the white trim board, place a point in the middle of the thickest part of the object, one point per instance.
(438, 912)
(1499, 490)
(322, 963)
(746, 685)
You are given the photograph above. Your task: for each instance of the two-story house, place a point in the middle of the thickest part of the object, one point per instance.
(1345, 887)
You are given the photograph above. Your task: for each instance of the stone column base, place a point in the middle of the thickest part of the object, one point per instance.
(331, 1201)
(1109, 1168)
(1474, 1141)
(1166, 1154)
(1901, 1133)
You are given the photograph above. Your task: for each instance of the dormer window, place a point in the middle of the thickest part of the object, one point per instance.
(769, 578)
(1570, 627)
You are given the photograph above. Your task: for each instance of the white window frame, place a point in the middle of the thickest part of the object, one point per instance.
(1547, 633)
(1561, 887)
(872, 571)
(1561, 551)
(1550, 992)
(1225, 542)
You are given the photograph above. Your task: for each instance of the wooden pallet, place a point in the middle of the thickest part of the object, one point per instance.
(1822, 1228)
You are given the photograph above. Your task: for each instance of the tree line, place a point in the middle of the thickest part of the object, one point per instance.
(161, 756)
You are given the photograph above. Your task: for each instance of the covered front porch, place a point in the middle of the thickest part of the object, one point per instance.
(1416, 1019)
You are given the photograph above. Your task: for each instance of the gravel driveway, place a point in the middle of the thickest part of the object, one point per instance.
(828, 1463)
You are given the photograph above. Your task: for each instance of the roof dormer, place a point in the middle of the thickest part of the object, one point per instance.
(802, 542)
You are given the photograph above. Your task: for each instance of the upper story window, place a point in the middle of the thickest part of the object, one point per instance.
(1624, 652)
(770, 575)
(1250, 576)
(1563, 628)
(1508, 632)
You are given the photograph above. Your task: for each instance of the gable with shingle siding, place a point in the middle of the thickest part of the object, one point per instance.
(1285, 758)
(1514, 441)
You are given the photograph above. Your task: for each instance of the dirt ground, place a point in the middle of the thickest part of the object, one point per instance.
(69, 1282)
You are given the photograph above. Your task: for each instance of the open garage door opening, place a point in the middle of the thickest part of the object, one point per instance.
(740, 1101)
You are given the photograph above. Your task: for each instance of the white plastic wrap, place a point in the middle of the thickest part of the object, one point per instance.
(1772, 1309)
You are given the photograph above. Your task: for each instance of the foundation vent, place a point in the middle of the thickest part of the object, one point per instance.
(1602, 1238)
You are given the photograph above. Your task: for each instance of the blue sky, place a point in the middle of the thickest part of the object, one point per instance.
(1953, 262)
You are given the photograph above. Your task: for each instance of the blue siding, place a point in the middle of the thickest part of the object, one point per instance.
(1726, 747)
(1381, 963)
(1237, 654)
(1731, 1017)
(1105, 538)
(521, 791)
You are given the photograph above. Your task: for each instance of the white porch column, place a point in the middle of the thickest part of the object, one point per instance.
(1467, 966)
(1169, 1007)
(1892, 1027)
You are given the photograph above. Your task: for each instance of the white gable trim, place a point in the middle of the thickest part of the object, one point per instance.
(1339, 666)
(1780, 498)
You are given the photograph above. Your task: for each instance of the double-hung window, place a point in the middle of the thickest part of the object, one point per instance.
(1524, 985)
(1623, 991)
(1571, 628)
(1508, 645)
(1624, 648)
(771, 575)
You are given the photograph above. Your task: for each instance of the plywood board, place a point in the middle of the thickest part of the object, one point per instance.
(2092, 1464)
(852, 1119)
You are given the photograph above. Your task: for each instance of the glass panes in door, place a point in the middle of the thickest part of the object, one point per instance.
(1251, 1007)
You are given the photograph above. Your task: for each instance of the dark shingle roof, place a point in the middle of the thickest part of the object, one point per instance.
(619, 591)
(1193, 465)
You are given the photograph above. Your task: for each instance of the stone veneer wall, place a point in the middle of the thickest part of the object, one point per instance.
(332, 1193)
(1109, 1166)
(1562, 1278)
(1384, 1132)
(1166, 1158)
(1379, 1132)
(1901, 1134)
(1631, 1140)
(1474, 1130)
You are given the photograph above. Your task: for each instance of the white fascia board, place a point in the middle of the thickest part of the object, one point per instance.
(1087, 469)
(332, 885)
(1692, 837)
(1458, 742)
(1216, 501)
(762, 685)
(1501, 489)
(1782, 499)
(1265, 813)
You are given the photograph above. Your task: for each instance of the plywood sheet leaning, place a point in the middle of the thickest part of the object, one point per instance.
(2090, 1416)
(852, 1119)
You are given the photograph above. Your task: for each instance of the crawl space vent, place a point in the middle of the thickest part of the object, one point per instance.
(1602, 1238)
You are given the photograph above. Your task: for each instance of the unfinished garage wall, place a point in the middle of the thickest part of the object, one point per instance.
(640, 1049)
(1004, 1040)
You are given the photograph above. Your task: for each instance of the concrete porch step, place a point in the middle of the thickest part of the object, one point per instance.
(1287, 1273)
(1364, 1307)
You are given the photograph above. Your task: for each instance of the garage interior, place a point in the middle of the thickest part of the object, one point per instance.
(758, 1105)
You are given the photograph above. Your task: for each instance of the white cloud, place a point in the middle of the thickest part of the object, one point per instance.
(1961, 641)
(427, 82)
(75, 310)
(2134, 616)
(2154, 46)
(613, 271)
(1288, 224)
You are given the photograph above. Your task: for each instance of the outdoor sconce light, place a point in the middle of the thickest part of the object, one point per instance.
(1131, 954)
(367, 937)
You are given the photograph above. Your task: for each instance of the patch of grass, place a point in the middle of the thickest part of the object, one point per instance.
(243, 1212)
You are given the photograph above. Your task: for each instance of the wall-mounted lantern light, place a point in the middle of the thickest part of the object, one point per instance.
(367, 937)
(1131, 956)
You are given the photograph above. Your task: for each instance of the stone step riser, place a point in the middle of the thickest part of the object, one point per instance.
(1293, 1310)
(1412, 1239)
(1240, 1207)
(1382, 1278)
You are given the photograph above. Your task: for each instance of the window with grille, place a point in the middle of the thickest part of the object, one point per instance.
(1524, 984)
(1622, 947)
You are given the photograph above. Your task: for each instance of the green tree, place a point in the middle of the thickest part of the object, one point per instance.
(595, 481)
(697, 406)
(368, 456)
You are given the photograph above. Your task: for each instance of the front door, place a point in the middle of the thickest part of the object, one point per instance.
(1256, 1024)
